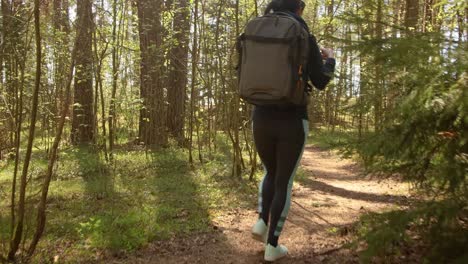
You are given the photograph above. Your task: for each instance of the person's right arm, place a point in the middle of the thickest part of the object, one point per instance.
(320, 73)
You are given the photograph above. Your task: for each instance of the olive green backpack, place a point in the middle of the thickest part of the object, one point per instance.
(273, 54)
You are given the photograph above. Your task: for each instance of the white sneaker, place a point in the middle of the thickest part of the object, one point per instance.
(260, 231)
(274, 253)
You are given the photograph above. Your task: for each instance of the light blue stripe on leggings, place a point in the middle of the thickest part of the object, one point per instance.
(260, 201)
(284, 213)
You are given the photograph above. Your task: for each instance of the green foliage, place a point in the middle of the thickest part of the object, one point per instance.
(117, 232)
(433, 227)
(427, 140)
(140, 197)
(4, 231)
(424, 140)
(326, 139)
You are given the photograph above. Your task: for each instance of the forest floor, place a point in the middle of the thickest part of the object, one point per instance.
(329, 196)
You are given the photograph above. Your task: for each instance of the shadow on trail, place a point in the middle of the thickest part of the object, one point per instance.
(307, 220)
(343, 173)
(321, 177)
(362, 196)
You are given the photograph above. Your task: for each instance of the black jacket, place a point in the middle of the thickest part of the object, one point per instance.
(319, 73)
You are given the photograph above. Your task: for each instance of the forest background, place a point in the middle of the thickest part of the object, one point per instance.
(124, 115)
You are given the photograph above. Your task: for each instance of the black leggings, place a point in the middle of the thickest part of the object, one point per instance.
(280, 139)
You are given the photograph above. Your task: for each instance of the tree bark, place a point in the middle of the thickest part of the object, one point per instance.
(194, 70)
(330, 89)
(411, 14)
(13, 53)
(237, 160)
(178, 71)
(152, 127)
(378, 89)
(7, 58)
(18, 233)
(61, 28)
(41, 208)
(115, 76)
(83, 110)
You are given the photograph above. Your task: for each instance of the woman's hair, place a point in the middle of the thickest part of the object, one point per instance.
(284, 5)
(303, 5)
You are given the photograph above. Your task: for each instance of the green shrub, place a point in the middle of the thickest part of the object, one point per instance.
(433, 227)
(117, 232)
(425, 141)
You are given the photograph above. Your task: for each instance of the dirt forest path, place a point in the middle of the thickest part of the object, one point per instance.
(327, 200)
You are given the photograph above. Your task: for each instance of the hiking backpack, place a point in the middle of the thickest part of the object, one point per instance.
(273, 55)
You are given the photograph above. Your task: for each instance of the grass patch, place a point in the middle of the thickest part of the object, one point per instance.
(326, 139)
(122, 205)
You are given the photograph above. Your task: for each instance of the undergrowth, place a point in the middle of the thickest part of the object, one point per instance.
(119, 206)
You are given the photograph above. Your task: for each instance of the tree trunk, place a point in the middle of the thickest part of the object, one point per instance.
(192, 88)
(237, 162)
(13, 53)
(411, 14)
(61, 29)
(378, 88)
(18, 232)
(83, 110)
(178, 71)
(330, 90)
(41, 208)
(13, 56)
(7, 57)
(115, 76)
(152, 128)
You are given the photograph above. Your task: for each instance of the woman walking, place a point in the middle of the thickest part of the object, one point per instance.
(280, 135)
